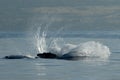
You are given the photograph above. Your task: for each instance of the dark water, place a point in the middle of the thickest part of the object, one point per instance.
(77, 15)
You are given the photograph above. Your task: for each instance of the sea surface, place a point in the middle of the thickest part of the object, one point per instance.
(105, 68)
(79, 27)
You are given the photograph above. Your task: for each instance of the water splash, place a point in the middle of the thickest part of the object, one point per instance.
(90, 48)
(41, 40)
(97, 49)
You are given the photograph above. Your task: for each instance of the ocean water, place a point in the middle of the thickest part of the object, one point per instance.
(103, 65)
(78, 27)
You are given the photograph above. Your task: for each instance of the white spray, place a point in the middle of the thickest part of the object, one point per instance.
(90, 48)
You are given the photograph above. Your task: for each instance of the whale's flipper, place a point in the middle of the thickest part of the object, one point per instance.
(15, 57)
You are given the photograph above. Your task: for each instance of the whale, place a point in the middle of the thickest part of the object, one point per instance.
(48, 55)
(16, 57)
(67, 56)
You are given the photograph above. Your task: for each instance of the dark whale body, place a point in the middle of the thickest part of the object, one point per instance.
(15, 57)
(49, 55)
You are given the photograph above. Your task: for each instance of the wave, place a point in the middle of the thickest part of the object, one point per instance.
(89, 34)
(82, 34)
(12, 34)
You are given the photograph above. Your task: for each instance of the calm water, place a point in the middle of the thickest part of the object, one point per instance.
(52, 69)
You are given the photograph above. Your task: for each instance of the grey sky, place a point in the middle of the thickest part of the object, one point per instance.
(21, 15)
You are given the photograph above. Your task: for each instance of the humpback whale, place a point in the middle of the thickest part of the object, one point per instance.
(47, 55)
(67, 56)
